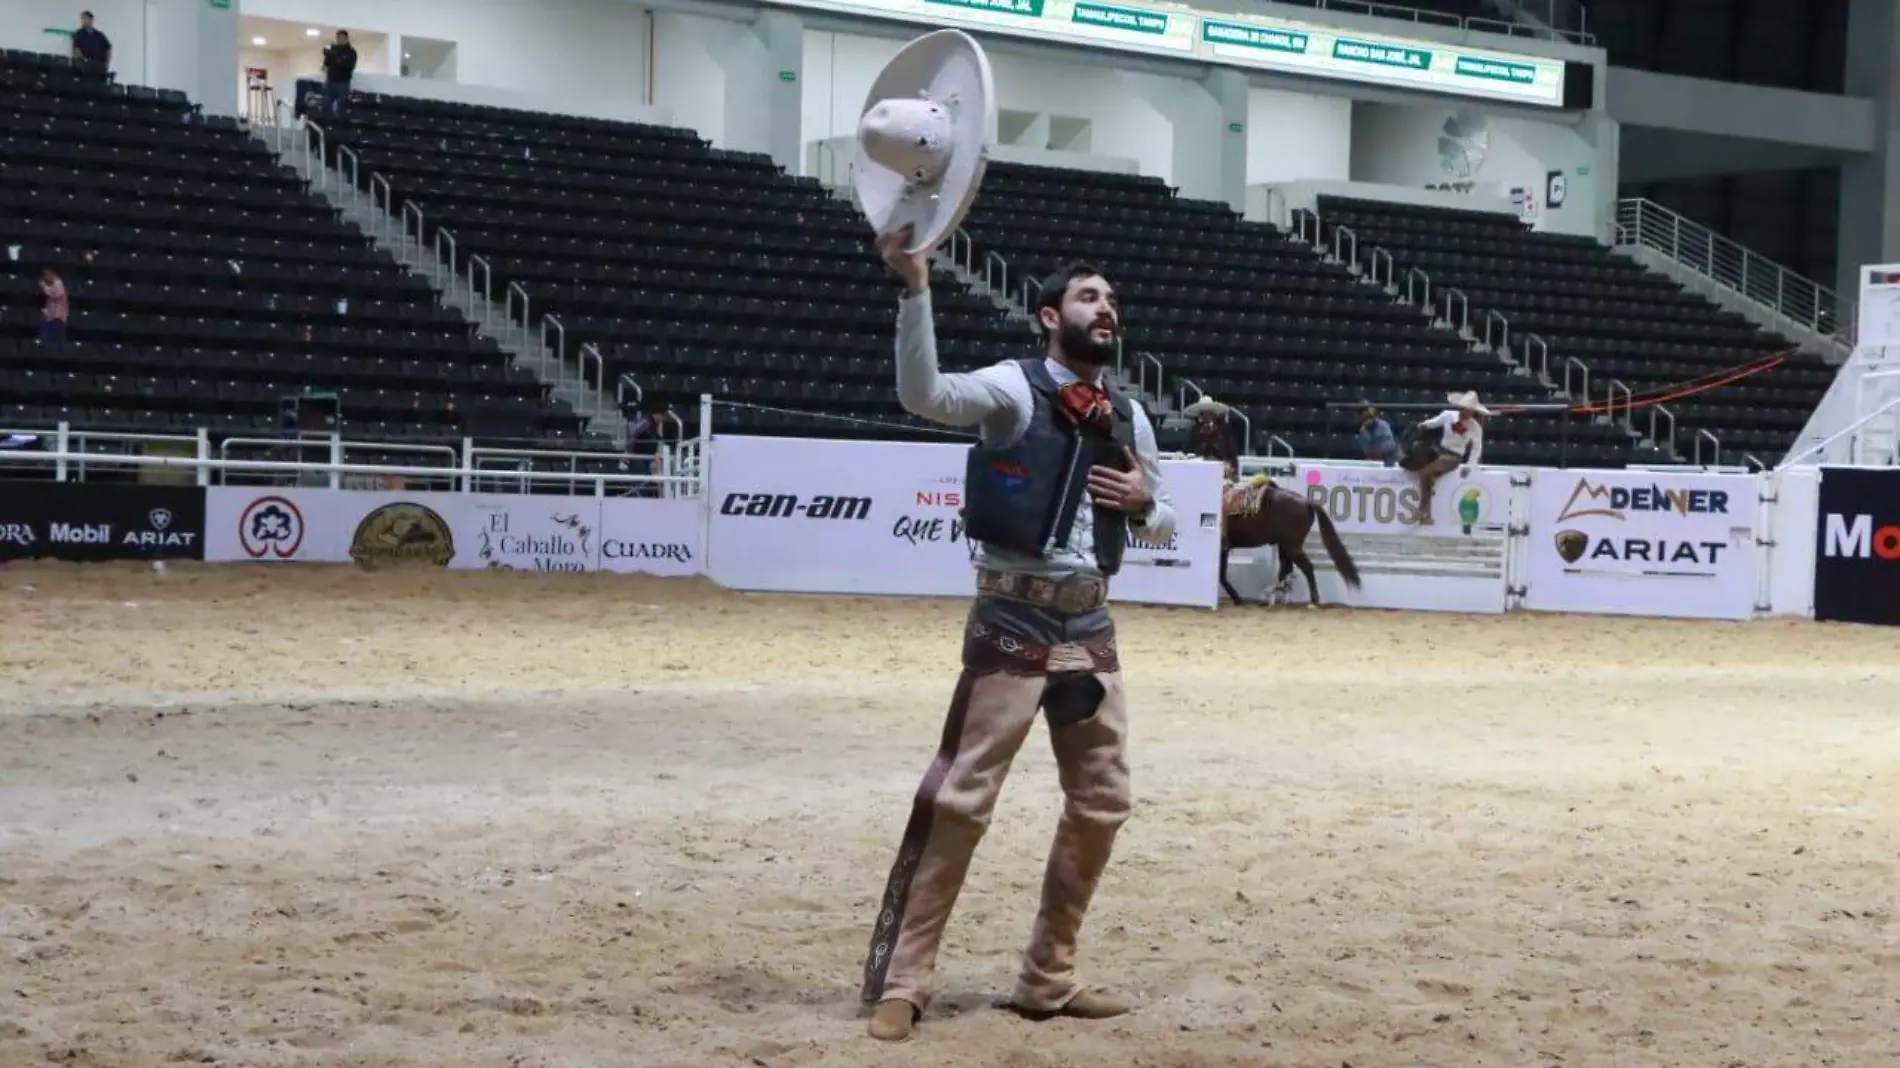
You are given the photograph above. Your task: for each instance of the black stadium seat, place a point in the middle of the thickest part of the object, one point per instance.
(207, 282)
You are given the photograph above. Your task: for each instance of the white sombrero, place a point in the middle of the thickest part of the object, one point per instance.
(925, 136)
(1467, 402)
(1205, 406)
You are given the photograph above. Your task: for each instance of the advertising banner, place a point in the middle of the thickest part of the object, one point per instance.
(1857, 546)
(502, 531)
(1249, 41)
(87, 521)
(1472, 502)
(1643, 543)
(815, 516)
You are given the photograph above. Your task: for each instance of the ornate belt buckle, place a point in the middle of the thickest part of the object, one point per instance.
(1078, 594)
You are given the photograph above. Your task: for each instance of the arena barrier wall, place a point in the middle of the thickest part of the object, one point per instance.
(795, 515)
(852, 517)
(507, 531)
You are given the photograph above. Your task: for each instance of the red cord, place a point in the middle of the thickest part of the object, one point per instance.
(1677, 391)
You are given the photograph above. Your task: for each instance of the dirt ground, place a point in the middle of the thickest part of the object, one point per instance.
(313, 816)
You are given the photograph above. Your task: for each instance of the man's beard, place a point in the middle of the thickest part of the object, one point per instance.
(1077, 344)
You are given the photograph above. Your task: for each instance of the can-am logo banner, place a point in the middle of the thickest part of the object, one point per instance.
(498, 531)
(879, 517)
(85, 521)
(1627, 541)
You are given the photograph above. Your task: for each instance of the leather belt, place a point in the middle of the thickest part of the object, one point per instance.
(1070, 595)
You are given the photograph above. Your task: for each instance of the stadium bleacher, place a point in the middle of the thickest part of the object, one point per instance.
(207, 283)
(690, 268)
(211, 282)
(1258, 321)
(1617, 319)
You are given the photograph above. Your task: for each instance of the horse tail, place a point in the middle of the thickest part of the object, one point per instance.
(1342, 560)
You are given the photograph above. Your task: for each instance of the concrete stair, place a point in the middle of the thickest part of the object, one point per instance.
(530, 346)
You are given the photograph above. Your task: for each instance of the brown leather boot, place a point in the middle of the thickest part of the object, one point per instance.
(893, 1020)
(1087, 1005)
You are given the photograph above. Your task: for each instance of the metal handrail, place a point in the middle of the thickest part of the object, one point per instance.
(1629, 403)
(1462, 322)
(1372, 268)
(1670, 442)
(1422, 296)
(1535, 343)
(625, 383)
(1572, 363)
(441, 264)
(409, 208)
(1801, 301)
(384, 213)
(1350, 254)
(1304, 220)
(599, 392)
(315, 171)
(549, 322)
(996, 273)
(1275, 439)
(1714, 442)
(1141, 375)
(1503, 342)
(488, 279)
(354, 175)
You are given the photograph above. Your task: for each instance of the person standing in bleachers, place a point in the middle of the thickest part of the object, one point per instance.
(92, 49)
(647, 439)
(54, 308)
(339, 66)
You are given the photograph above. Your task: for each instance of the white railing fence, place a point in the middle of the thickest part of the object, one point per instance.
(1787, 296)
(326, 461)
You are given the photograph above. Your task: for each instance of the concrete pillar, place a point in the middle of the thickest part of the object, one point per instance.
(1869, 227)
(192, 46)
(1210, 131)
(764, 65)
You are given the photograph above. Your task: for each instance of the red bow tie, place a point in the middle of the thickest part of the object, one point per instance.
(1087, 404)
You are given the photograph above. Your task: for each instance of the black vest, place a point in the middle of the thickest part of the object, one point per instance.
(1025, 496)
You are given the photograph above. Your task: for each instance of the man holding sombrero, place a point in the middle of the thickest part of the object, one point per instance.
(1065, 472)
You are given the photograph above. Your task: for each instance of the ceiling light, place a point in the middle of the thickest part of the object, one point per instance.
(258, 41)
(313, 32)
(406, 55)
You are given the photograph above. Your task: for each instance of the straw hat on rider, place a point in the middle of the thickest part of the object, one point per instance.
(1468, 402)
(924, 138)
(1205, 406)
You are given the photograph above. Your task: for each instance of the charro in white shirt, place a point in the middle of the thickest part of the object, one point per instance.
(1461, 431)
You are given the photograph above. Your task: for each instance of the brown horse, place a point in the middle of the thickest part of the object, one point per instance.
(1265, 514)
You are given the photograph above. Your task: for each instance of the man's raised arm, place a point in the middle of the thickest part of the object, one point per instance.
(957, 399)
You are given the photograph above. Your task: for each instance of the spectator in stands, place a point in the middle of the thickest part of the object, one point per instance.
(339, 66)
(646, 439)
(1460, 443)
(1376, 440)
(92, 49)
(53, 308)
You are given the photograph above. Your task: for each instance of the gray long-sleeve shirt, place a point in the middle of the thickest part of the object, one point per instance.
(998, 400)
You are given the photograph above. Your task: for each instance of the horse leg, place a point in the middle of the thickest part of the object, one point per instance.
(1306, 569)
(1224, 584)
(1283, 586)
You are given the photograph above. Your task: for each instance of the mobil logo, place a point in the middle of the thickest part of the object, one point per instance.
(1859, 537)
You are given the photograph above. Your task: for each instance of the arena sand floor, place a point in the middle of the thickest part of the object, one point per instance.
(309, 816)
